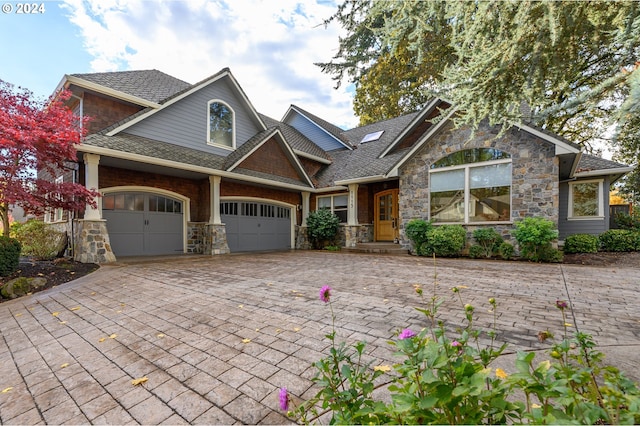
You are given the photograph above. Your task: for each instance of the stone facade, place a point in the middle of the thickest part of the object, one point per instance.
(92, 242)
(348, 236)
(205, 238)
(534, 184)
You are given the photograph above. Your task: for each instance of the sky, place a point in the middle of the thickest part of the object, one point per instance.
(270, 46)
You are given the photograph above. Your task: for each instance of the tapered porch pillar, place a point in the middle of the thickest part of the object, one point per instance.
(91, 162)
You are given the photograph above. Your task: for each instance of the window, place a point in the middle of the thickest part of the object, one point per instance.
(220, 124)
(585, 200)
(471, 186)
(338, 205)
(58, 213)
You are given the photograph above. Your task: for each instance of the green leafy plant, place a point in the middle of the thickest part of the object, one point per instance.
(416, 231)
(476, 251)
(39, 239)
(629, 221)
(619, 240)
(506, 250)
(488, 239)
(9, 255)
(446, 377)
(581, 243)
(534, 235)
(445, 240)
(322, 228)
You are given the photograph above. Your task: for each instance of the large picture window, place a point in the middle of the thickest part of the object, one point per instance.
(338, 204)
(220, 124)
(585, 200)
(471, 186)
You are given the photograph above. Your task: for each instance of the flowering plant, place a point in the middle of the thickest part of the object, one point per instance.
(444, 380)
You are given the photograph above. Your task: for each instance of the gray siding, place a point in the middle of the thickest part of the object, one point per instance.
(314, 133)
(185, 122)
(569, 227)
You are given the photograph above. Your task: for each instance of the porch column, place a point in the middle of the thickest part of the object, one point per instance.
(214, 199)
(91, 162)
(352, 211)
(305, 207)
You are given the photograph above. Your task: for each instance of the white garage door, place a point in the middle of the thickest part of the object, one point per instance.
(252, 226)
(142, 224)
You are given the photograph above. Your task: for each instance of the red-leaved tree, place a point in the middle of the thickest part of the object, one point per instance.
(37, 135)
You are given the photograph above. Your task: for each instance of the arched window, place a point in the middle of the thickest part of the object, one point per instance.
(471, 186)
(220, 124)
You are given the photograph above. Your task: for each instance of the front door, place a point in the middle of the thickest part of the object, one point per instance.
(386, 215)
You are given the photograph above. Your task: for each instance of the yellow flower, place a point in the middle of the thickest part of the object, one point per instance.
(535, 406)
(383, 368)
(501, 373)
(566, 324)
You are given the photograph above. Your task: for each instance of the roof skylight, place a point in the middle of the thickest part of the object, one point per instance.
(370, 137)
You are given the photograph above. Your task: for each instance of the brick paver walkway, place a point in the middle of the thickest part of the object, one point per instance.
(216, 337)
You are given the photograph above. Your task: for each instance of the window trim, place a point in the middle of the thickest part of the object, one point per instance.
(57, 215)
(233, 125)
(600, 215)
(467, 191)
(331, 196)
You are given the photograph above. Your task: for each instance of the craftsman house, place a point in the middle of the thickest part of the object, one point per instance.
(194, 168)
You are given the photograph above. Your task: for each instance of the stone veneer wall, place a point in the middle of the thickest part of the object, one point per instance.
(205, 238)
(92, 242)
(534, 184)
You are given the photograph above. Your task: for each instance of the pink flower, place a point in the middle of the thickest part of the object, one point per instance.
(325, 293)
(406, 334)
(284, 399)
(561, 304)
(456, 344)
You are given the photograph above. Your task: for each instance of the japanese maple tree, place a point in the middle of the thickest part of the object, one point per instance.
(37, 135)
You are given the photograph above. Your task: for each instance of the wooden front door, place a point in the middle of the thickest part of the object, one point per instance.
(386, 215)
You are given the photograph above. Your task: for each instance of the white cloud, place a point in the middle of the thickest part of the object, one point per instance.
(270, 46)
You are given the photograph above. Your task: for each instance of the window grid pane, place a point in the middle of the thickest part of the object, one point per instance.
(585, 199)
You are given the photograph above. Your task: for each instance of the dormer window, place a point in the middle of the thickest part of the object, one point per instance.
(220, 124)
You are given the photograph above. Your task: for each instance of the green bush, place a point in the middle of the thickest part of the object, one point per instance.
(506, 250)
(534, 235)
(629, 221)
(620, 240)
(445, 240)
(581, 243)
(488, 239)
(476, 251)
(322, 228)
(416, 231)
(39, 239)
(9, 255)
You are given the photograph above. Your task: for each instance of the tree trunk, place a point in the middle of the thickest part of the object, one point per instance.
(4, 214)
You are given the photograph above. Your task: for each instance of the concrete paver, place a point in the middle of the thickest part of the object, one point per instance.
(218, 336)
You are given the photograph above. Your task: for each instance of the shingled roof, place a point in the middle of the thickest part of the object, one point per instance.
(151, 85)
(590, 163)
(297, 140)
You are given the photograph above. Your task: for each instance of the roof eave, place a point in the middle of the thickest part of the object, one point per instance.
(85, 84)
(605, 172)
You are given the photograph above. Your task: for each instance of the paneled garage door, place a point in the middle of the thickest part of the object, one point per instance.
(142, 224)
(255, 226)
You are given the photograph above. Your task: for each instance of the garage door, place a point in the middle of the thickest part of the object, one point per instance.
(142, 224)
(255, 226)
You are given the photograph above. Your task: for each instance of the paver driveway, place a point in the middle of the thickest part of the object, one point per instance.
(217, 336)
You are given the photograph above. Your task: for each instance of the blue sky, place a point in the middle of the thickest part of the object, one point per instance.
(269, 45)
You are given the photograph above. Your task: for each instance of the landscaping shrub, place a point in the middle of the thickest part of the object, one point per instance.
(581, 243)
(447, 377)
(534, 235)
(39, 239)
(506, 250)
(9, 255)
(322, 228)
(629, 221)
(620, 240)
(445, 240)
(416, 231)
(476, 251)
(488, 239)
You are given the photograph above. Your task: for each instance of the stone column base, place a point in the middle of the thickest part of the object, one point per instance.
(215, 239)
(92, 242)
